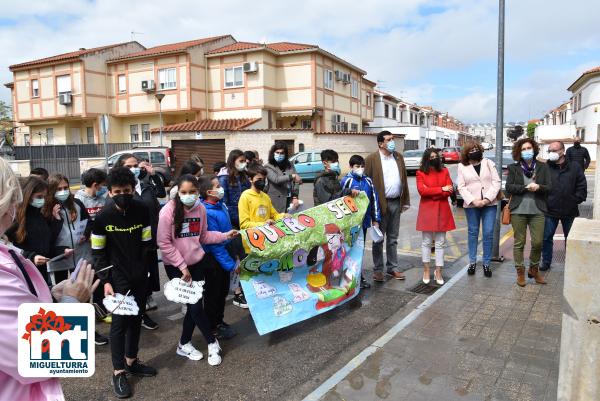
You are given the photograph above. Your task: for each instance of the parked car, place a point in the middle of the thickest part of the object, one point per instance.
(160, 158)
(308, 164)
(412, 160)
(506, 160)
(451, 154)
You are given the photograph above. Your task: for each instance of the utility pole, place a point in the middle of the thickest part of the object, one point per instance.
(499, 127)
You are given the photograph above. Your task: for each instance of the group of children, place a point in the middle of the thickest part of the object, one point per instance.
(195, 231)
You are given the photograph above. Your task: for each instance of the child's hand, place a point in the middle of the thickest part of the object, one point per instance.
(354, 193)
(108, 290)
(56, 212)
(187, 277)
(232, 234)
(270, 222)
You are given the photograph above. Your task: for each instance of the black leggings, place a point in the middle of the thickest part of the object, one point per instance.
(215, 290)
(125, 330)
(194, 315)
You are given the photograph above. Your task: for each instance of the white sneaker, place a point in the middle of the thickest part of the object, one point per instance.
(190, 352)
(214, 354)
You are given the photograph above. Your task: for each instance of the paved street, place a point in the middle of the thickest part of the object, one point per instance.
(453, 349)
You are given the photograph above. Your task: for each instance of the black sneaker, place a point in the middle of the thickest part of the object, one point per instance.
(487, 271)
(148, 323)
(121, 385)
(225, 331)
(471, 269)
(545, 267)
(239, 300)
(363, 283)
(139, 369)
(100, 339)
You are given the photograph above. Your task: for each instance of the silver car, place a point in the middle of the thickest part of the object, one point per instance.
(412, 160)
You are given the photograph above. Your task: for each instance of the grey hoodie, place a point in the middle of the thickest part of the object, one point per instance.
(92, 204)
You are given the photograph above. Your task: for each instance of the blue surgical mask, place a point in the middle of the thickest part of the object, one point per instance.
(391, 146)
(334, 166)
(189, 199)
(527, 154)
(135, 171)
(38, 202)
(279, 158)
(103, 189)
(62, 196)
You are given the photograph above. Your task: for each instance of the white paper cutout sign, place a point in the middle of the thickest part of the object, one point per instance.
(182, 292)
(120, 304)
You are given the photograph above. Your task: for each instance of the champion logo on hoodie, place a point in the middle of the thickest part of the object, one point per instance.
(190, 227)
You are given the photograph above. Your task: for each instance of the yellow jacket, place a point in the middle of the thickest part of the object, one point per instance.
(255, 208)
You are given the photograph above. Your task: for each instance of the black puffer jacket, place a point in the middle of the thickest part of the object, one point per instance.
(579, 154)
(569, 189)
(327, 187)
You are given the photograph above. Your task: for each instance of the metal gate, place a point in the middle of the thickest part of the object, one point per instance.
(210, 150)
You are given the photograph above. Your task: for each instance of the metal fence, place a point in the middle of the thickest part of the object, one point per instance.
(64, 159)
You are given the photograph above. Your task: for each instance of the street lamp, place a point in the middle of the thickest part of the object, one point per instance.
(159, 97)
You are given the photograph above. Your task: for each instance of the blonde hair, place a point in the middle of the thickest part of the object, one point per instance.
(10, 190)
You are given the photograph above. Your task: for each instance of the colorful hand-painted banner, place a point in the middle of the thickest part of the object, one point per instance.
(305, 265)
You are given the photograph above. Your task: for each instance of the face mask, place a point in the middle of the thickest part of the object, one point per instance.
(527, 154)
(62, 196)
(359, 171)
(436, 163)
(38, 202)
(334, 166)
(475, 155)
(241, 166)
(100, 192)
(188, 200)
(279, 158)
(136, 171)
(220, 193)
(391, 146)
(259, 184)
(123, 201)
(553, 156)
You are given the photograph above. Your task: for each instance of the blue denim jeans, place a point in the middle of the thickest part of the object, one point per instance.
(550, 225)
(486, 217)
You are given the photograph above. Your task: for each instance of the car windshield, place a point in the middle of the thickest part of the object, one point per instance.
(413, 153)
(506, 157)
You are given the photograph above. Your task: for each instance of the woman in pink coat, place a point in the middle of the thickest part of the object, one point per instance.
(21, 282)
(435, 217)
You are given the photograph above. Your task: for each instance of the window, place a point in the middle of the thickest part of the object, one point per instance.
(582, 134)
(90, 134)
(26, 139)
(316, 157)
(49, 136)
(302, 158)
(167, 78)
(146, 132)
(133, 132)
(353, 127)
(157, 158)
(394, 113)
(122, 84)
(579, 101)
(234, 77)
(368, 99)
(328, 79)
(386, 111)
(63, 84)
(354, 88)
(575, 103)
(35, 88)
(306, 124)
(141, 156)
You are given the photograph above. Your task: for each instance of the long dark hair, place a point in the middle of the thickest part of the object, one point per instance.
(426, 163)
(121, 160)
(231, 170)
(286, 162)
(53, 182)
(179, 211)
(31, 186)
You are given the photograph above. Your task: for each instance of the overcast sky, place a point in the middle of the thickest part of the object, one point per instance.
(432, 52)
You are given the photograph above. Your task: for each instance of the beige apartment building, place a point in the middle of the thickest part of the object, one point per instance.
(285, 85)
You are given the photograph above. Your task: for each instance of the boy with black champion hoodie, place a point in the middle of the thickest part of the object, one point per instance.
(121, 237)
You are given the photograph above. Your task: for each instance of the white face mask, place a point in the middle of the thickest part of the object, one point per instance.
(359, 171)
(241, 166)
(553, 156)
(218, 193)
(189, 199)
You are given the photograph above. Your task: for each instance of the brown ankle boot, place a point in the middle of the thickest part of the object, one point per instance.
(521, 276)
(534, 272)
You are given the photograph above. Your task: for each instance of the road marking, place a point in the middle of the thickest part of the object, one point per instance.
(341, 374)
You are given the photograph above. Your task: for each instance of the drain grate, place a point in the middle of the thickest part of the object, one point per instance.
(422, 288)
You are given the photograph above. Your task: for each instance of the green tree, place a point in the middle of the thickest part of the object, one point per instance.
(531, 130)
(5, 122)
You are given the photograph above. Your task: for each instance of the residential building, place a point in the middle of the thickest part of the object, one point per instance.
(557, 124)
(585, 103)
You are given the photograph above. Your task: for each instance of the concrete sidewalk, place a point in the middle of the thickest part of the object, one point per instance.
(484, 339)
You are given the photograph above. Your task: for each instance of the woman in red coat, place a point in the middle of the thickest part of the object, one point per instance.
(435, 217)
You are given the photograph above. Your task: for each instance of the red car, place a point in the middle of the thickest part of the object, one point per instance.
(451, 154)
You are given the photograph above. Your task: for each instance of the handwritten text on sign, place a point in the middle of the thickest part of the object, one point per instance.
(182, 292)
(120, 304)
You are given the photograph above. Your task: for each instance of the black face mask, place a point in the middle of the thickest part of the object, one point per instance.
(436, 163)
(259, 184)
(123, 201)
(475, 155)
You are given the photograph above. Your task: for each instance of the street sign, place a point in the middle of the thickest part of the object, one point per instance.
(104, 124)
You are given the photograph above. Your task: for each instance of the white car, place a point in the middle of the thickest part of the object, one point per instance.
(412, 160)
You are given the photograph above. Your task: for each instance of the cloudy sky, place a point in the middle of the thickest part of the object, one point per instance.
(432, 52)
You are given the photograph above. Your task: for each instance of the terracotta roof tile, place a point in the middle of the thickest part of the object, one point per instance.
(236, 47)
(65, 56)
(590, 71)
(209, 125)
(289, 46)
(169, 48)
(279, 47)
(352, 133)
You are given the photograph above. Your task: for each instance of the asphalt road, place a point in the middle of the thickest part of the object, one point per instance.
(286, 364)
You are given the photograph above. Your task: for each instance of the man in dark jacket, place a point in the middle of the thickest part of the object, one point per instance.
(578, 154)
(569, 189)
